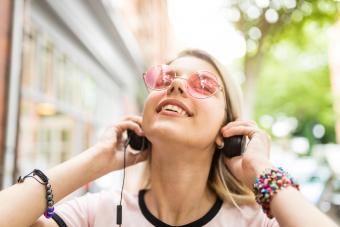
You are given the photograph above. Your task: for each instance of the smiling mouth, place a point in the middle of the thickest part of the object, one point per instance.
(175, 109)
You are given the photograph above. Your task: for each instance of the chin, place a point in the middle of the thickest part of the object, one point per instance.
(165, 130)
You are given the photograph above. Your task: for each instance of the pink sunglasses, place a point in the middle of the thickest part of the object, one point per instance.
(200, 84)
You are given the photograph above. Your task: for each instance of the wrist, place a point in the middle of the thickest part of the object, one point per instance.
(269, 183)
(255, 169)
(102, 161)
(260, 167)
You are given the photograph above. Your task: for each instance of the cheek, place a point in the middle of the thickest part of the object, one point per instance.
(150, 105)
(209, 107)
(152, 100)
(211, 113)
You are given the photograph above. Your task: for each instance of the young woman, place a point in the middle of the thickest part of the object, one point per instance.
(192, 105)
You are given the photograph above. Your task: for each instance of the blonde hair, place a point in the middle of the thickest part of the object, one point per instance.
(220, 180)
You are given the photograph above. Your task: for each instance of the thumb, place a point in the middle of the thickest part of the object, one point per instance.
(235, 166)
(132, 157)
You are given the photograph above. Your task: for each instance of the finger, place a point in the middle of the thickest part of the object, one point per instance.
(234, 165)
(238, 123)
(241, 130)
(124, 125)
(241, 122)
(134, 118)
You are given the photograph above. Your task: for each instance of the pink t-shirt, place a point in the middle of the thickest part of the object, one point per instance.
(99, 210)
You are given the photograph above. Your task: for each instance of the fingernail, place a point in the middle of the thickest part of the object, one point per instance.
(225, 133)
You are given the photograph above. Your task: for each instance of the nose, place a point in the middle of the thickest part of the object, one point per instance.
(177, 87)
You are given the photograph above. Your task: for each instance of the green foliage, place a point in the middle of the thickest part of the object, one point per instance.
(295, 80)
(291, 55)
(292, 16)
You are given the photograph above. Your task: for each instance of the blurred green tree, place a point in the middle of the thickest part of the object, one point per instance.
(287, 51)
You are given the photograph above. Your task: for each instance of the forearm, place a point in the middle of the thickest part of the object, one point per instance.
(290, 209)
(21, 204)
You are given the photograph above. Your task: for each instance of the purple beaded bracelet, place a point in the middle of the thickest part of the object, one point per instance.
(44, 181)
(269, 183)
(49, 196)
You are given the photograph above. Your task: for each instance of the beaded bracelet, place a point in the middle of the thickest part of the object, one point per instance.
(44, 181)
(269, 183)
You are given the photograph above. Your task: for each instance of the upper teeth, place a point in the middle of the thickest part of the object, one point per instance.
(175, 108)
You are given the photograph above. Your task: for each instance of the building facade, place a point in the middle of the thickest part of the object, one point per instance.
(69, 78)
(5, 43)
(74, 67)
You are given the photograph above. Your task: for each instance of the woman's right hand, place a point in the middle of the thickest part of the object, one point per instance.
(111, 143)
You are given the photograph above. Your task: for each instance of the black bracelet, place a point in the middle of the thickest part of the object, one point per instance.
(44, 181)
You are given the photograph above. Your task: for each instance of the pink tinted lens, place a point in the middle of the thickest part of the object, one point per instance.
(159, 77)
(202, 84)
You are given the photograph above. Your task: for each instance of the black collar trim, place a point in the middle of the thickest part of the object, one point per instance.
(156, 222)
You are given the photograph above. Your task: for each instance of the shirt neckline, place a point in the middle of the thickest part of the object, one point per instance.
(199, 222)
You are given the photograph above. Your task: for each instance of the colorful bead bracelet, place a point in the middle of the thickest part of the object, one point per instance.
(44, 181)
(269, 183)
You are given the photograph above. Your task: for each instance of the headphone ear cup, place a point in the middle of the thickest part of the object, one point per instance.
(233, 146)
(137, 142)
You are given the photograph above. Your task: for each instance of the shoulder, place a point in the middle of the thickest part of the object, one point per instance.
(91, 208)
(245, 215)
(104, 198)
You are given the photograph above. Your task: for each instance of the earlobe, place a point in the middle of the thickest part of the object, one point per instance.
(220, 146)
(219, 141)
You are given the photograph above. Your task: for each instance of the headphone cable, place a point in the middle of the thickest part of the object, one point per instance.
(119, 207)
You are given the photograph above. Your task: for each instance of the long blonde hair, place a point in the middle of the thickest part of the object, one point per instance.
(220, 180)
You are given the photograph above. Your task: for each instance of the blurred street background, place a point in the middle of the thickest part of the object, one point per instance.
(69, 68)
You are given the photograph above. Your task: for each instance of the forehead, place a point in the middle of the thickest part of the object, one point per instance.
(188, 64)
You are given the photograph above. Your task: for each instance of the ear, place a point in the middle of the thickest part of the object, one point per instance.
(219, 139)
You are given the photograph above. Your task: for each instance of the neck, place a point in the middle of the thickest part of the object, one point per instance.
(179, 191)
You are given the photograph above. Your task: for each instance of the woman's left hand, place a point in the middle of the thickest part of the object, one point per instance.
(255, 159)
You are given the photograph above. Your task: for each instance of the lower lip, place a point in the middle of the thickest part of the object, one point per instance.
(171, 113)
